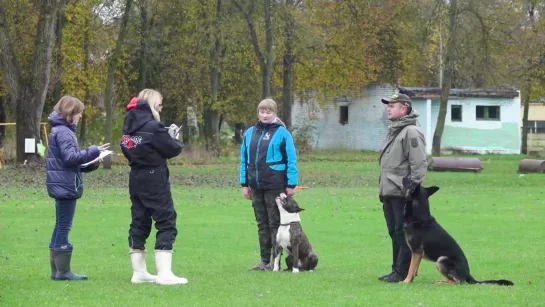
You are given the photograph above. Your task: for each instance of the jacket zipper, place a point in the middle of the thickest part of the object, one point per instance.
(272, 150)
(257, 158)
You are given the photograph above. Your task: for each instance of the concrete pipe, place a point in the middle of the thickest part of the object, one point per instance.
(532, 166)
(440, 164)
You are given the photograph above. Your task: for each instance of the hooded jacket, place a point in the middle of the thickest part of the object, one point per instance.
(146, 142)
(403, 154)
(64, 174)
(268, 159)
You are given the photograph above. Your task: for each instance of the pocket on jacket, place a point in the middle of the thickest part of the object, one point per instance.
(396, 180)
(155, 178)
(278, 167)
(165, 175)
(77, 182)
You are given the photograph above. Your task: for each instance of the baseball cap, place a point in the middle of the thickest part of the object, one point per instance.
(401, 98)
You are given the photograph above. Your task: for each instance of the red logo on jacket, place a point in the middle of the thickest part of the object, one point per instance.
(130, 142)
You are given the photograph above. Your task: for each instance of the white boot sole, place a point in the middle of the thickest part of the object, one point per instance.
(172, 282)
(139, 278)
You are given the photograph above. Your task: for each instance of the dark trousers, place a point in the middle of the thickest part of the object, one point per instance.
(267, 217)
(64, 217)
(149, 190)
(393, 212)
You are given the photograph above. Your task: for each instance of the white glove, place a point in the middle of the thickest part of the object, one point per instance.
(174, 131)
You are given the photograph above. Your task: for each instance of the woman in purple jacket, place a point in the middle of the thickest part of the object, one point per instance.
(65, 180)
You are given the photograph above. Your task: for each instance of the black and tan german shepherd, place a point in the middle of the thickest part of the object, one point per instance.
(427, 239)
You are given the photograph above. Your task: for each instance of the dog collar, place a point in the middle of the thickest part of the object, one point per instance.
(289, 224)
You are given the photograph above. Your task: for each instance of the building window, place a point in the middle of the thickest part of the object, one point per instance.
(343, 118)
(456, 113)
(488, 112)
(536, 126)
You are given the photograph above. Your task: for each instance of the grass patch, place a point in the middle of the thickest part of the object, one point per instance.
(496, 216)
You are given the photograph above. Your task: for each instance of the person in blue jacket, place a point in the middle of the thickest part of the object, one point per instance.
(268, 167)
(65, 180)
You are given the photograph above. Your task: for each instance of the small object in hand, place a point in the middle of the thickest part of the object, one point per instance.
(174, 131)
(104, 147)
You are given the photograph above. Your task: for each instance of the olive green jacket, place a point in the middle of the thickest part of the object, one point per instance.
(403, 154)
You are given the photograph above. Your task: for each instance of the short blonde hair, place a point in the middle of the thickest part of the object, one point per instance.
(69, 107)
(267, 104)
(154, 99)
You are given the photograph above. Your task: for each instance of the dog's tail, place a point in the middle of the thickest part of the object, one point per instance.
(499, 282)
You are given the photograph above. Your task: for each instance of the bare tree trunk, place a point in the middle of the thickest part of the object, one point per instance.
(527, 91)
(267, 73)
(3, 117)
(447, 79)
(288, 63)
(58, 58)
(29, 94)
(441, 57)
(186, 134)
(108, 92)
(238, 132)
(211, 116)
(525, 129)
(220, 122)
(83, 130)
(144, 35)
(87, 98)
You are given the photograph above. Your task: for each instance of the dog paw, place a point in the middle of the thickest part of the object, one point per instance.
(295, 270)
(406, 281)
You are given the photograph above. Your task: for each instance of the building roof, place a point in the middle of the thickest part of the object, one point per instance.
(435, 92)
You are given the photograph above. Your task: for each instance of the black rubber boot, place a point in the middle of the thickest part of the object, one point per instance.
(62, 263)
(52, 264)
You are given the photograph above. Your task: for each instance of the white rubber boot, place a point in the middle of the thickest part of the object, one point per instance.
(163, 263)
(139, 268)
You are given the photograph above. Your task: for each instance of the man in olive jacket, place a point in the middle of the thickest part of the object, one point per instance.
(403, 155)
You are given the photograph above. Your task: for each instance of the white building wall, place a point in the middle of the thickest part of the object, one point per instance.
(367, 122)
(481, 136)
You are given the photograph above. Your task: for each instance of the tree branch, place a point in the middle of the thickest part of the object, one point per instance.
(253, 35)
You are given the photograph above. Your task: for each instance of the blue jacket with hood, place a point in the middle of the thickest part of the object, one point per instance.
(64, 174)
(268, 159)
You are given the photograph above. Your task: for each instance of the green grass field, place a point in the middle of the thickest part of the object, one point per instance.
(496, 216)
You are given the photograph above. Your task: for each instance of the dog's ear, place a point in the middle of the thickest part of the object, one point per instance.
(431, 190)
(299, 209)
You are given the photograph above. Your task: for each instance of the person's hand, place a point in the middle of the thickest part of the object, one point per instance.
(172, 131)
(290, 192)
(247, 192)
(104, 147)
(409, 186)
(380, 198)
(100, 159)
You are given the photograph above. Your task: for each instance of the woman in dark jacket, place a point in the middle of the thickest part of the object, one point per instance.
(147, 145)
(65, 180)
